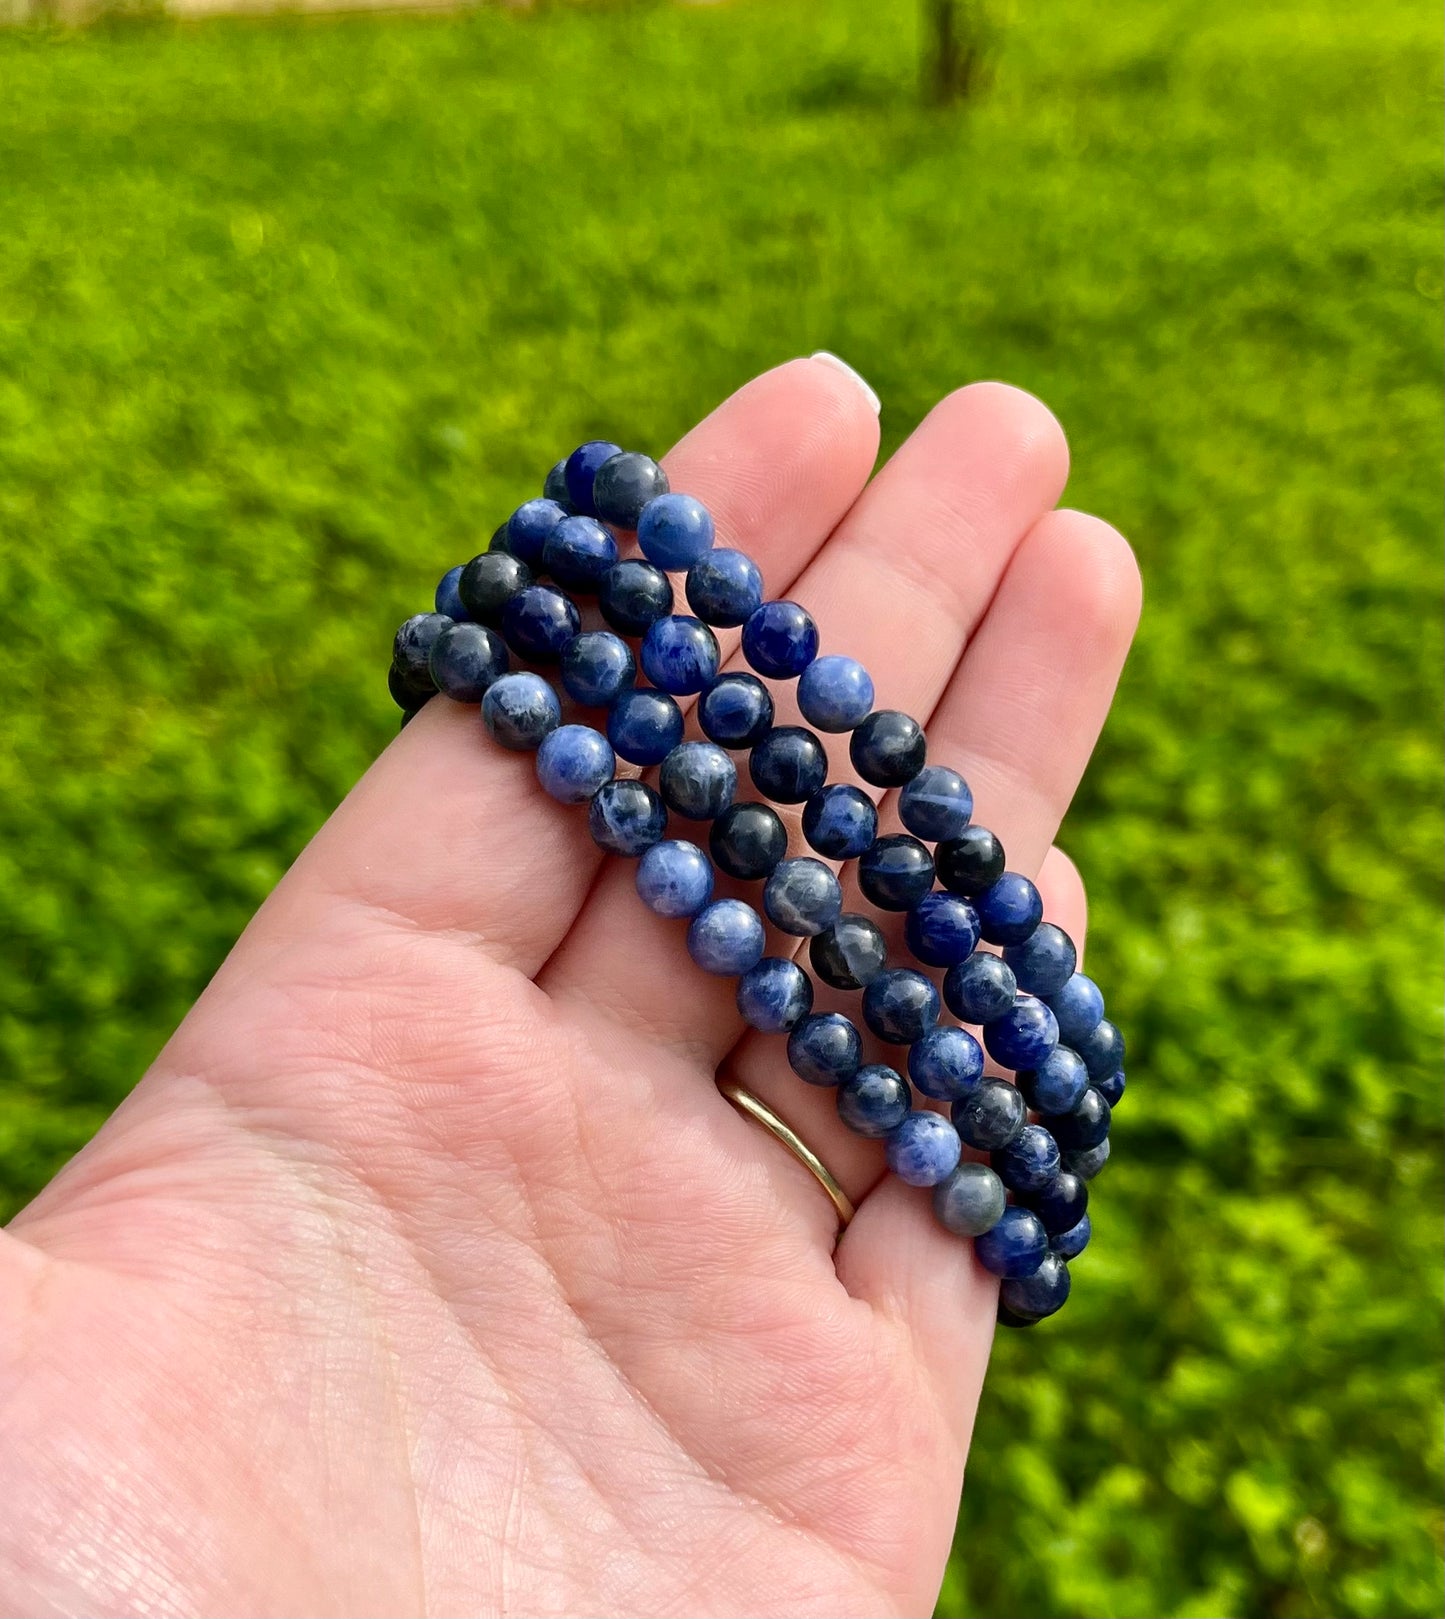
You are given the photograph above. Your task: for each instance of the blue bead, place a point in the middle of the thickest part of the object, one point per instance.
(937, 804)
(748, 840)
(789, 765)
(465, 660)
(554, 487)
(1057, 1084)
(680, 655)
(644, 725)
(633, 595)
(1042, 1293)
(1044, 962)
(538, 623)
(1071, 1243)
(1086, 1126)
(1015, 1246)
(924, 1149)
(626, 817)
(624, 485)
(726, 938)
(775, 995)
(724, 588)
(1009, 910)
(581, 470)
(980, 989)
(1111, 1088)
(802, 897)
(596, 667)
(488, 583)
(573, 762)
(674, 531)
(578, 552)
(900, 1006)
(942, 930)
(1102, 1050)
(896, 872)
(874, 1102)
(1029, 1162)
(840, 822)
(449, 596)
(990, 1115)
(780, 640)
(825, 1049)
(888, 748)
(1060, 1203)
(946, 1063)
(698, 780)
(1086, 1162)
(674, 878)
(528, 528)
(736, 711)
(848, 953)
(1078, 1006)
(411, 650)
(1023, 1036)
(519, 710)
(970, 1201)
(835, 693)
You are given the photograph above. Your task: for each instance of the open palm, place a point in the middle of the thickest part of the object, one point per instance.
(428, 1272)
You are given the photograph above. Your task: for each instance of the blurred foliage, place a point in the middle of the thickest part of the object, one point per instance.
(291, 314)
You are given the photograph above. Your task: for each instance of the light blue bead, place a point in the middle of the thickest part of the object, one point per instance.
(675, 878)
(835, 693)
(573, 762)
(674, 531)
(1044, 962)
(924, 1149)
(680, 655)
(724, 588)
(726, 938)
(596, 667)
(448, 597)
(946, 1063)
(802, 897)
(937, 804)
(528, 528)
(1079, 1007)
(775, 995)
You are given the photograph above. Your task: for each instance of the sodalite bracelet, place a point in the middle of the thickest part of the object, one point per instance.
(1045, 1135)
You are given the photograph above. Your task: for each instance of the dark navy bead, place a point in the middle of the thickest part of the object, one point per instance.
(623, 486)
(633, 595)
(874, 1102)
(644, 725)
(895, 872)
(980, 989)
(1061, 1202)
(1111, 1088)
(888, 748)
(802, 897)
(680, 655)
(519, 710)
(1088, 1161)
(726, 938)
(1071, 1243)
(840, 822)
(736, 711)
(900, 1006)
(849, 954)
(674, 878)
(449, 596)
(780, 640)
(825, 1049)
(923, 1149)
(936, 804)
(774, 995)
(1086, 1126)
(748, 840)
(724, 588)
(971, 862)
(411, 650)
(970, 1201)
(597, 667)
(1029, 1162)
(626, 817)
(1023, 1036)
(581, 470)
(528, 528)
(1044, 962)
(465, 659)
(942, 930)
(946, 1063)
(1102, 1050)
(835, 693)
(1016, 1246)
(489, 582)
(1009, 910)
(538, 623)
(1057, 1084)
(573, 762)
(554, 487)
(674, 531)
(500, 543)
(406, 693)
(789, 765)
(1039, 1295)
(578, 552)
(698, 780)
(1078, 1006)
(990, 1116)
(1006, 1318)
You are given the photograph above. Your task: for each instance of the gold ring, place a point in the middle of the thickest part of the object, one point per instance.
(758, 1110)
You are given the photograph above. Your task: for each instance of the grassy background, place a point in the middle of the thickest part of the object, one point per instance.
(291, 314)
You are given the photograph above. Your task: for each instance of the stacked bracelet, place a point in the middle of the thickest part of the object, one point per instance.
(1047, 1134)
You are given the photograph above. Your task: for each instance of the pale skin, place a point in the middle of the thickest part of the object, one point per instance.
(427, 1271)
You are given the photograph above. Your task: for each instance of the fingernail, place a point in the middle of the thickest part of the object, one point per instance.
(848, 371)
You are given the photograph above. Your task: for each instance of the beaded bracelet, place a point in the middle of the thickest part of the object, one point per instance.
(1026, 1208)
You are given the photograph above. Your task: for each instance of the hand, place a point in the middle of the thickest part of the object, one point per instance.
(428, 1272)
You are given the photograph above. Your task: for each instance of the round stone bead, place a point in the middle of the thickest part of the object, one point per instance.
(946, 1063)
(774, 995)
(874, 1102)
(644, 725)
(1071, 1243)
(578, 552)
(724, 588)
(489, 582)
(888, 748)
(1102, 1050)
(674, 878)
(499, 542)
(538, 623)
(849, 954)
(840, 822)
(465, 659)
(780, 640)
(554, 486)
(936, 804)
(942, 930)
(411, 650)
(698, 780)
(748, 840)
(980, 989)
(970, 1201)
(1044, 962)
(1088, 1161)
(1078, 1006)
(825, 1049)
(449, 595)
(626, 818)
(1111, 1087)
(900, 1006)
(573, 762)
(923, 1149)
(623, 485)
(1042, 1293)
(674, 531)
(680, 655)
(597, 667)
(802, 897)
(1057, 1084)
(528, 528)
(736, 711)
(1016, 1246)
(726, 938)
(895, 872)
(1086, 1126)
(1009, 910)
(1023, 1036)
(835, 693)
(789, 765)
(581, 469)
(633, 595)
(1061, 1202)
(970, 863)
(1029, 1162)
(407, 694)
(519, 710)
(990, 1116)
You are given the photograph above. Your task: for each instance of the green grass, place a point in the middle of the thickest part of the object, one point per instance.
(291, 314)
